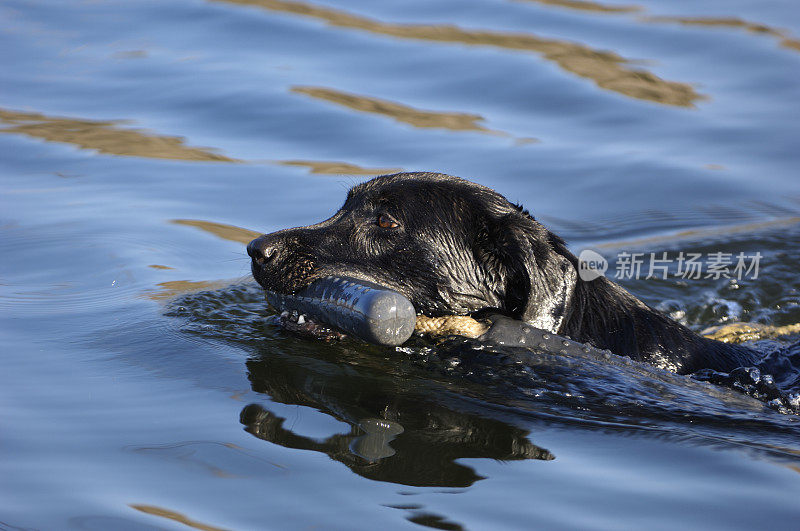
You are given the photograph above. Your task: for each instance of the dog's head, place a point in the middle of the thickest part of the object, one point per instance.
(449, 245)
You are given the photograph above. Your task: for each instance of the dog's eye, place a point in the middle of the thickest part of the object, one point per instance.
(386, 222)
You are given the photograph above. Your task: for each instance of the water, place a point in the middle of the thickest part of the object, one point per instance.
(143, 382)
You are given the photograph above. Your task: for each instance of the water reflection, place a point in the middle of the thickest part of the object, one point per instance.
(783, 37)
(397, 434)
(166, 291)
(174, 516)
(221, 230)
(584, 5)
(338, 168)
(105, 137)
(607, 69)
(730, 22)
(454, 121)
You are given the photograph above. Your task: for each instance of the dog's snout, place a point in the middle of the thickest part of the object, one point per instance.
(261, 250)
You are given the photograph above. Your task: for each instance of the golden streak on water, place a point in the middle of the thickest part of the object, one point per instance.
(175, 516)
(104, 136)
(582, 5)
(221, 230)
(108, 137)
(167, 291)
(607, 69)
(338, 168)
(454, 121)
(729, 22)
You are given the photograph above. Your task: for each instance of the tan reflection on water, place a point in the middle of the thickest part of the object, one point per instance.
(587, 6)
(175, 516)
(170, 289)
(730, 22)
(338, 168)
(607, 69)
(221, 230)
(104, 136)
(455, 121)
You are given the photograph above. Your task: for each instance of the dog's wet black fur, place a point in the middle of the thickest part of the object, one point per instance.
(455, 247)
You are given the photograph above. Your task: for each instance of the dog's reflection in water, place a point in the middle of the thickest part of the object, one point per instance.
(400, 435)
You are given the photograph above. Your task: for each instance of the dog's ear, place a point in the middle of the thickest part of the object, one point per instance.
(539, 279)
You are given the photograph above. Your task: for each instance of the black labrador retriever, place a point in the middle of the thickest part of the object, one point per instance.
(455, 247)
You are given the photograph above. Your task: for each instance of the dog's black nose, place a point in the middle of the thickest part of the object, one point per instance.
(261, 250)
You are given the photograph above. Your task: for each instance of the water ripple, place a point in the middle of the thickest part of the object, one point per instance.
(607, 69)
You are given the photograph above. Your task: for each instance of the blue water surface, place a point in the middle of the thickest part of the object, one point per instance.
(143, 381)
